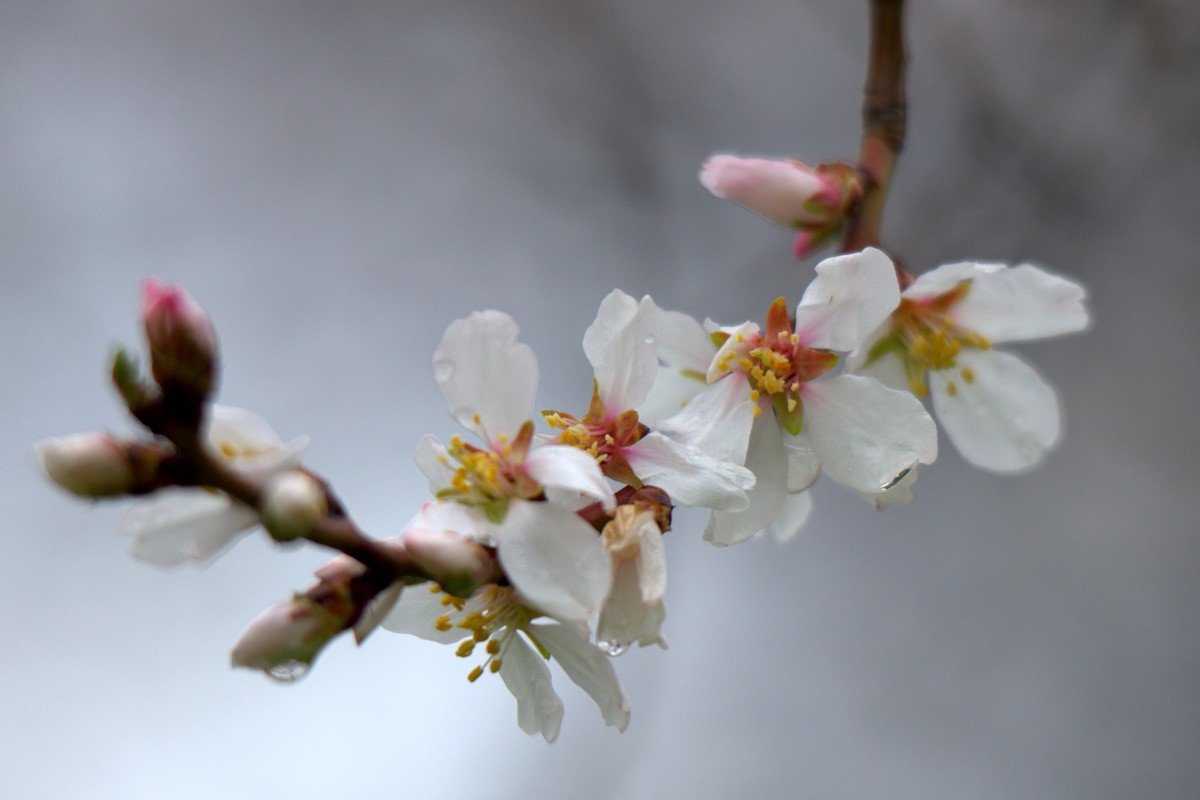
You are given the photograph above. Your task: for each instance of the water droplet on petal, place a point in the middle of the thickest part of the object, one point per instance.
(613, 649)
(442, 370)
(288, 671)
(648, 338)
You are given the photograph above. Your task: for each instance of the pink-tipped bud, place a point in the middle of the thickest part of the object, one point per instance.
(787, 193)
(284, 640)
(183, 344)
(87, 464)
(457, 563)
(293, 504)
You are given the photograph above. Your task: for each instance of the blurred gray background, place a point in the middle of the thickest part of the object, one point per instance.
(337, 181)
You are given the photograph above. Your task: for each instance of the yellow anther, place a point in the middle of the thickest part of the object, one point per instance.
(475, 418)
(745, 363)
(442, 623)
(465, 649)
(951, 389)
(495, 665)
(493, 646)
(757, 410)
(740, 337)
(754, 394)
(968, 375)
(435, 588)
(794, 338)
(474, 674)
(791, 404)
(479, 635)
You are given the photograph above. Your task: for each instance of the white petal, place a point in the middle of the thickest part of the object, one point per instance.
(554, 559)
(620, 346)
(651, 563)
(672, 390)
(792, 516)
(528, 678)
(176, 525)
(766, 458)
(717, 420)
(1022, 303)
(588, 667)
(241, 430)
(803, 466)
(447, 515)
(415, 612)
(736, 347)
(433, 461)
(569, 469)
(850, 297)
(248, 442)
(1005, 419)
(627, 617)
(682, 342)
(488, 378)
(377, 610)
(864, 433)
(947, 276)
(887, 369)
(689, 476)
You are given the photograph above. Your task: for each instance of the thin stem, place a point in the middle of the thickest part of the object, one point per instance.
(884, 114)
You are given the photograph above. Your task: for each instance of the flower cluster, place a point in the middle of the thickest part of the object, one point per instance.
(542, 540)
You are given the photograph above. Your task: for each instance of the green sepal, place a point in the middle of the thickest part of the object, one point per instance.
(792, 421)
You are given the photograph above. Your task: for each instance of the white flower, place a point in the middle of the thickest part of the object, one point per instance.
(497, 619)
(996, 409)
(861, 433)
(634, 610)
(620, 344)
(180, 524)
(494, 493)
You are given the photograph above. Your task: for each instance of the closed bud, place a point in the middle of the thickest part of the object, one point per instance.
(88, 464)
(294, 502)
(457, 563)
(284, 640)
(183, 345)
(813, 200)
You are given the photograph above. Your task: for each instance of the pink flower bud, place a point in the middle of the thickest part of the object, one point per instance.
(285, 639)
(294, 502)
(788, 193)
(456, 562)
(183, 345)
(87, 464)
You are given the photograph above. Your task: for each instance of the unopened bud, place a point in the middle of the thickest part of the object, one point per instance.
(87, 464)
(183, 345)
(285, 639)
(457, 563)
(293, 504)
(789, 193)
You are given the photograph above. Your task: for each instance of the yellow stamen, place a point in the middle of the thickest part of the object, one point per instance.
(474, 674)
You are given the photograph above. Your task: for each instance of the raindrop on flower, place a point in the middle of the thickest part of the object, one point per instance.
(613, 649)
(442, 370)
(288, 671)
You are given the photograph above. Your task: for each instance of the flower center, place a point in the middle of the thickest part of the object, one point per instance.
(925, 336)
(495, 616)
(490, 477)
(602, 435)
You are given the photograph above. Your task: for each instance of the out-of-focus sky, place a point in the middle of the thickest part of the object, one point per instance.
(338, 181)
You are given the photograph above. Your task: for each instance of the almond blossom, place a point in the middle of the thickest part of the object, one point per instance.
(180, 524)
(500, 621)
(998, 411)
(634, 609)
(508, 492)
(620, 344)
(863, 434)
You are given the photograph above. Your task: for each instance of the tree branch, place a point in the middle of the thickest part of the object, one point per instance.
(884, 115)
